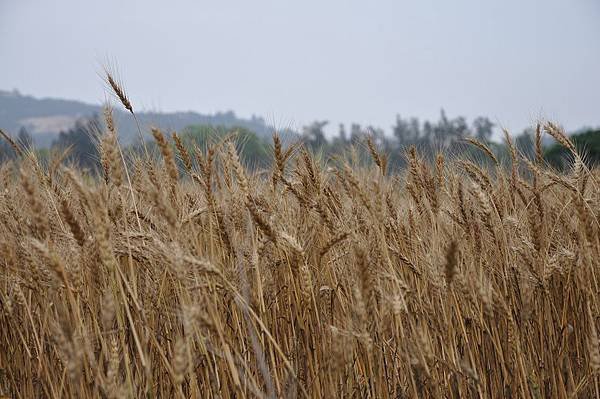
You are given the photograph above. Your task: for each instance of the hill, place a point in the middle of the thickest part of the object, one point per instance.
(44, 118)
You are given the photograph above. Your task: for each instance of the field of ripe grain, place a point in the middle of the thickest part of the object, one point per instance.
(188, 275)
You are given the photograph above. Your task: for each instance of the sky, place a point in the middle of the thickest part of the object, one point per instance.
(293, 62)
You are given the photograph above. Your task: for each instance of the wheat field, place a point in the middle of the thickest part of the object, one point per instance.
(190, 275)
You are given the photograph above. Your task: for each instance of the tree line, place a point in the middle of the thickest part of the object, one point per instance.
(429, 137)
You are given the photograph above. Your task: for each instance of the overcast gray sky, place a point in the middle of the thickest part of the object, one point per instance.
(294, 62)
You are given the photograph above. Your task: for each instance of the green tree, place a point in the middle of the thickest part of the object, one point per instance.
(525, 143)
(343, 137)
(587, 144)
(314, 136)
(82, 141)
(483, 128)
(253, 150)
(24, 138)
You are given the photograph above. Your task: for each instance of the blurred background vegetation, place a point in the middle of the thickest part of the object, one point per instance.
(445, 135)
(55, 125)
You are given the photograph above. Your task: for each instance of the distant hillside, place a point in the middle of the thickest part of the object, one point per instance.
(46, 117)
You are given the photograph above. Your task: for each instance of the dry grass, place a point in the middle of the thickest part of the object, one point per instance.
(340, 281)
